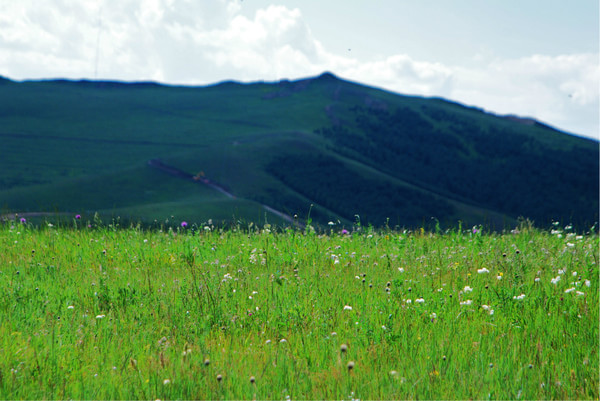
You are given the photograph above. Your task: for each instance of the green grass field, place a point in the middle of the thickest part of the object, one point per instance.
(94, 311)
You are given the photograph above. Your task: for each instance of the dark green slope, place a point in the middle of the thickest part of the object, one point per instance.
(271, 150)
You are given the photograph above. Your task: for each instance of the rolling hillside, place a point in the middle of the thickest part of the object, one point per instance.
(268, 151)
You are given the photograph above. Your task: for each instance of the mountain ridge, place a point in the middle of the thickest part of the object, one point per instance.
(409, 158)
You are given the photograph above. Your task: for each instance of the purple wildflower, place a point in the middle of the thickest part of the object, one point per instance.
(184, 224)
(23, 220)
(344, 232)
(78, 216)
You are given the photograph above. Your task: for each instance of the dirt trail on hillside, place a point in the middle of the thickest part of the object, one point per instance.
(156, 163)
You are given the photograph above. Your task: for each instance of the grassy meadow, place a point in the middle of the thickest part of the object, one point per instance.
(250, 312)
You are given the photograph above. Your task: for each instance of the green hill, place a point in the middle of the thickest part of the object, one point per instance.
(268, 151)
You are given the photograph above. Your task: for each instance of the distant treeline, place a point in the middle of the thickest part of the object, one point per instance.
(343, 190)
(515, 174)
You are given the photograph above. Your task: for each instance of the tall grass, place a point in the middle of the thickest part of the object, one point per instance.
(106, 313)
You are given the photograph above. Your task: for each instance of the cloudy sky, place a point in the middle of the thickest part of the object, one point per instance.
(525, 57)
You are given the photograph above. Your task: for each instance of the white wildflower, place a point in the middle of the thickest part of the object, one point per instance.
(579, 293)
(482, 270)
(100, 316)
(401, 269)
(467, 302)
(419, 300)
(555, 280)
(467, 289)
(70, 307)
(587, 283)
(499, 277)
(347, 307)
(537, 279)
(568, 290)
(519, 297)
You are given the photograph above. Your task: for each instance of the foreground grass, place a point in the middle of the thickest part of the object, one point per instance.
(130, 314)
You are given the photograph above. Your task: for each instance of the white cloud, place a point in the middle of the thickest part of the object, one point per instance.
(200, 42)
(560, 90)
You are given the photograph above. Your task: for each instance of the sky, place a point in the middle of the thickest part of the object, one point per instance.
(530, 58)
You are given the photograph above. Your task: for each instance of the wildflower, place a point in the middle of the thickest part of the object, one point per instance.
(252, 379)
(184, 224)
(499, 277)
(350, 365)
(166, 381)
(343, 348)
(433, 315)
(570, 245)
(467, 289)
(331, 223)
(268, 342)
(78, 217)
(206, 362)
(488, 309)
(219, 378)
(519, 297)
(100, 316)
(23, 220)
(344, 232)
(283, 340)
(419, 300)
(568, 290)
(467, 302)
(482, 270)
(555, 280)
(579, 293)
(537, 279)
(401, 269)
(70, 307)
(587, 283)
(347, 307)
(562, 271)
